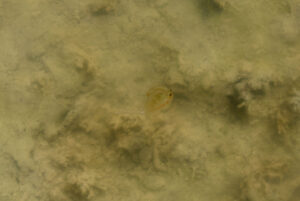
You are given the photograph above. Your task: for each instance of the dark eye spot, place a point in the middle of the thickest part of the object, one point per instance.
(170, 94)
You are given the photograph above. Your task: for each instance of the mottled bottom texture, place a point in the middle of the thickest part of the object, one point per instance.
(74, 77)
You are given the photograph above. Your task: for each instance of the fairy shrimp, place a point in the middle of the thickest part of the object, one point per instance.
(158, 98)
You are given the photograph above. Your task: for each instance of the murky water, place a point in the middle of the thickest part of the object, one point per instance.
(161, 100)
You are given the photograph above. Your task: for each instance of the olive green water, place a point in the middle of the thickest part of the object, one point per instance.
(73, 85)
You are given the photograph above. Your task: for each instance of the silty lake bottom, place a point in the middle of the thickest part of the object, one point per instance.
(74, 82)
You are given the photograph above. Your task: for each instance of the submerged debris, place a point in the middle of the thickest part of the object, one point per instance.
(263, 180)
(141, 142)
(283, 120)
(295, 101)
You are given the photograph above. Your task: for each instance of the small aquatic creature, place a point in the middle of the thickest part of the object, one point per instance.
(158, 98)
